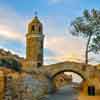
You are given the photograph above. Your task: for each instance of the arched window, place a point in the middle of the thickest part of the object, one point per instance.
(33, 28)
(39, 28)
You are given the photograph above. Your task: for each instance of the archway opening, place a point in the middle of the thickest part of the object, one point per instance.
(68, 78)
(76, 78)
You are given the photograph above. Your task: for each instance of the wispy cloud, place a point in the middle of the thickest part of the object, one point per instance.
(11, 24)
(61, 43)
(12, 30)
(66, 49)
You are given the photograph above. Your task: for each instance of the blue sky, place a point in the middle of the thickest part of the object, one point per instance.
(56, 16)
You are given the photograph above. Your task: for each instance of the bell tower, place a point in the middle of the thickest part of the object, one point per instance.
(34, 43)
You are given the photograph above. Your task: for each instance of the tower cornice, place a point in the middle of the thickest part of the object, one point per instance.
(34, 35)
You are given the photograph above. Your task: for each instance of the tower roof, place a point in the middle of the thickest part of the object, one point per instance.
(36, 20)
(35, 25)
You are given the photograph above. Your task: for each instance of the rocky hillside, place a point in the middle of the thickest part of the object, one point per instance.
(8, 54)
(9, 60)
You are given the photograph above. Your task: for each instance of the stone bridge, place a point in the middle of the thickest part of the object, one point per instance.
(87, 72)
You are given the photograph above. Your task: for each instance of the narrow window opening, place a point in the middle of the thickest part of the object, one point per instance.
(33, 28)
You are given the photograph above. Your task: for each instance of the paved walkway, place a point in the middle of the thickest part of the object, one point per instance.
(65, 93)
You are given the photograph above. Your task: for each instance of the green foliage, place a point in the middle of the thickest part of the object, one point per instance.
(95, 46)
(10, 63)
(88, 26)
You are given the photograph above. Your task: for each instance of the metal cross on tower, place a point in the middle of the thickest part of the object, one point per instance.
(35, 13)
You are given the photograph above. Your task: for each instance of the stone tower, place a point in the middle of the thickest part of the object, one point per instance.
(34, 43)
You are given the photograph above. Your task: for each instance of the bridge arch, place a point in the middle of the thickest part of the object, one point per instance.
(59, 72)
(52, 87)
(81, 69)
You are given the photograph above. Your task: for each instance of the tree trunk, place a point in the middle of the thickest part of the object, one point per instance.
(87, 49)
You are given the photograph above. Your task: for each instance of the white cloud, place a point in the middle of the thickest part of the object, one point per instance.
(61, 43)
(12, 30)
(65, 46)
(69, 48)
(11, 25)
(8, 32)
